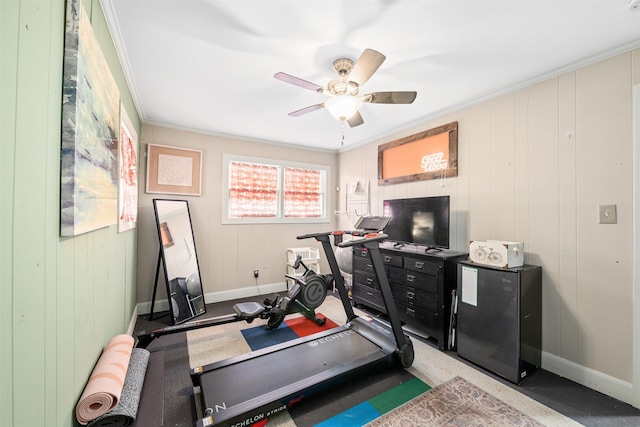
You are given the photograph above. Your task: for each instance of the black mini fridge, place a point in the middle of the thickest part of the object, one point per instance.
(499, 318)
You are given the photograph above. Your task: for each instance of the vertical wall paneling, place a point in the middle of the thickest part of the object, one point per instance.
(54, 402)
(521, 170)
(636, 220)
(635, 67)
(29, 222)
(102, 303)
(564, 295)
(604, 176)
(62, 298)
(67, 385)
(459, 237)
(83, 302)
(480, 172)
(563, 313)
(9, 32)
(502, 168)
(543, 192)
(554, 151)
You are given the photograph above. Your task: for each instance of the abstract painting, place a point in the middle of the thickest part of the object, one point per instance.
(90, 124)
(128, 174)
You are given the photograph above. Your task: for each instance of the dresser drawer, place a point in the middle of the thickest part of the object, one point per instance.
(415, 298)
(428, 267)
(366, 279)
(363, 264)
(390, 259)
(368, 296)
(417, 317)
(413, 279)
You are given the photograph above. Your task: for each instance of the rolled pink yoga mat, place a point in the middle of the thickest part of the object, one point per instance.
(103, 390)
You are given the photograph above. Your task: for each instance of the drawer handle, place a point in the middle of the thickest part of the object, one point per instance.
(411, 312)
(369, 280)
(363, 253)
(387, 258)
(369, 294)
(419, 264)
(411, 295)
(411, 278)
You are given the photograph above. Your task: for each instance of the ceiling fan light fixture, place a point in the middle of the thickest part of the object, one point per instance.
(343, 107)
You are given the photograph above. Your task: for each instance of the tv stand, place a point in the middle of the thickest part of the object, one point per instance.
(421, 282)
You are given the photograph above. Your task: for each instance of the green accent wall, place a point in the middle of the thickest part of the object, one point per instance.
(61, 299)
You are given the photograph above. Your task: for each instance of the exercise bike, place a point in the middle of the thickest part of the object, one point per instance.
(306, 294)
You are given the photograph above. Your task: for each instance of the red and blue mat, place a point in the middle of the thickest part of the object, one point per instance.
(290, 329)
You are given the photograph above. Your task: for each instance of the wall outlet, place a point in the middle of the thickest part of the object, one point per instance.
(256, 273)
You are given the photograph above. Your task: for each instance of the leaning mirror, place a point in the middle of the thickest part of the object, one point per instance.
(180, 260)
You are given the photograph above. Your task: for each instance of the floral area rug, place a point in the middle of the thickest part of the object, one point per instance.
(455, 403)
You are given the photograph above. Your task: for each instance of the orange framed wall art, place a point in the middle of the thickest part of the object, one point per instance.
(427, 155)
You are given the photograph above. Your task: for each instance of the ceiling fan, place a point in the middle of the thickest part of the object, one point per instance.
(343, 90)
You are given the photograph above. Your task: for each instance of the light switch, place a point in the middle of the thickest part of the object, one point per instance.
(608, 214)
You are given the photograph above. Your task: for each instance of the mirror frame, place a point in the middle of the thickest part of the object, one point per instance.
(170, 242)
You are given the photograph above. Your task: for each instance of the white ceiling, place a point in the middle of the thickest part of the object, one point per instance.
(208, 66)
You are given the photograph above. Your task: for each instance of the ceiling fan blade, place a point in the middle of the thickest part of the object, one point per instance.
(355, 120)
(287, 78)
(306, 110)
(390, 97)
(366, 65)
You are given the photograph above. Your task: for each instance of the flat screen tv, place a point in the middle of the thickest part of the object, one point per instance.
(419, 221)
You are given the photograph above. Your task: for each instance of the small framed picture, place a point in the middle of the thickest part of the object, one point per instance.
(172, 170)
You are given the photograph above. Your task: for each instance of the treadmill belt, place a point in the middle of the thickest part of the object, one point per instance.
(235, 384)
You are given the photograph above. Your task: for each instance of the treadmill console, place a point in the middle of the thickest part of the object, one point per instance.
(372, 223)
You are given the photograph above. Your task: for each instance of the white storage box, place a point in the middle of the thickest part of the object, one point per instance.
(497, 253)
(309, 255)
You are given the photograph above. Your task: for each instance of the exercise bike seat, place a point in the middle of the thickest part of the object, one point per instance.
(246, 310)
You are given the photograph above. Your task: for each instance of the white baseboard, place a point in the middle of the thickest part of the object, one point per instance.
(132, 321)
(251, 291)
(595, 380)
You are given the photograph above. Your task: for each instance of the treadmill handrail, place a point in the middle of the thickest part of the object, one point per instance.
(370, 242)
(323, 238)
(374, 237)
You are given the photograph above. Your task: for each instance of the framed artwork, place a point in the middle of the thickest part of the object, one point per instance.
(427, 155)
(127, 174)
(90, 124)
(172, 170)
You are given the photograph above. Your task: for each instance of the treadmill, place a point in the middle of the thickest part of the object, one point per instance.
(248, 389)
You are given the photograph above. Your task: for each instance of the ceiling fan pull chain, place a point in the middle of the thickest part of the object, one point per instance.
(342, 129)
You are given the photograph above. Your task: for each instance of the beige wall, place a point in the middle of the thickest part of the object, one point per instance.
(228, 253)
(533, 166)
(61, 299)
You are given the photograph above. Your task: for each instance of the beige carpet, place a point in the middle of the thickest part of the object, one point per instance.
(430, 365)
(455, 403)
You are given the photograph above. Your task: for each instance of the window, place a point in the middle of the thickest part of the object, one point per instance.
(271, 191)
